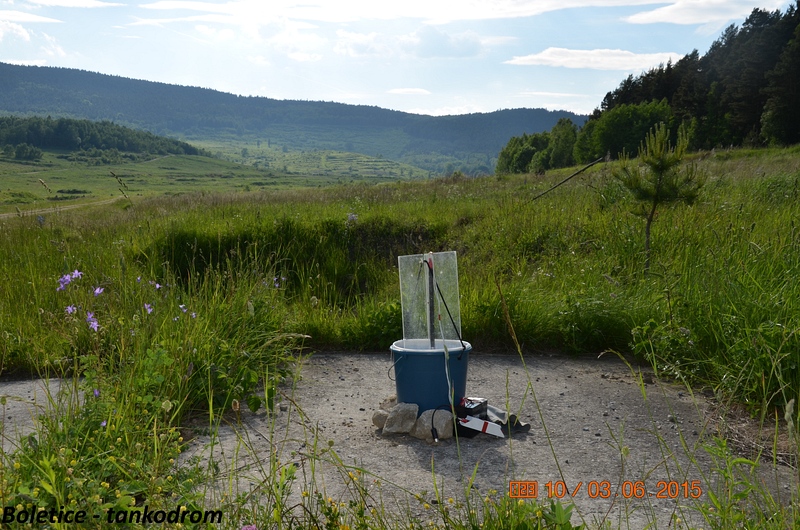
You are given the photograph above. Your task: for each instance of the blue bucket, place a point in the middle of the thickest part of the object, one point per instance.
(420, 376)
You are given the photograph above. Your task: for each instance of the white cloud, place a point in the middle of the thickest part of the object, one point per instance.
(10, 28)
(596, 59)
(19, 16)
(51, 47)
(73, 3)
(701, 11)
(409, 91)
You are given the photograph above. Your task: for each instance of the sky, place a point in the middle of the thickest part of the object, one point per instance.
(432, 57)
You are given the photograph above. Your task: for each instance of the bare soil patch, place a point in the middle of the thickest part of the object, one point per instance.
(598, 421)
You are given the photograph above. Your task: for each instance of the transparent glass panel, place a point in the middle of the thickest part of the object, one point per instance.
(429, 297)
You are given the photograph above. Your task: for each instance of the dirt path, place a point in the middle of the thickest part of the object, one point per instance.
(57, 209)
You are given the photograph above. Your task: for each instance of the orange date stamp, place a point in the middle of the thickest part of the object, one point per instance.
(604, 489)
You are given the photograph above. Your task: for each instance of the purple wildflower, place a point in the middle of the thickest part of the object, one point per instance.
(70, 309)
(97, 392)
(63, 282)
(91, 320)
(158, 285)
(67, 278)
(148, 308)
(98, 291)
(194, 315)
(138, 279)
(103, 423)
(183, 307)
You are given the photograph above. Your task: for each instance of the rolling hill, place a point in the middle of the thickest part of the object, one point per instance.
(469, 143)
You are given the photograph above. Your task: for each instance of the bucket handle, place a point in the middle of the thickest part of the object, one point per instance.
(392, 366)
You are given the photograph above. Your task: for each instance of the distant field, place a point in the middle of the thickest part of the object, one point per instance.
(338, 165)
(70, 183)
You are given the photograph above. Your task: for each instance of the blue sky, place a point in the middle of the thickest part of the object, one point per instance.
(425, 56)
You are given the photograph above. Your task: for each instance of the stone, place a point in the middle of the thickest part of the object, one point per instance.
(389, 402)
(442, 421)
(379, 418)
(401, 418)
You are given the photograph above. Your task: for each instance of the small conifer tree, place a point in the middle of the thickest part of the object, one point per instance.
(659, 176)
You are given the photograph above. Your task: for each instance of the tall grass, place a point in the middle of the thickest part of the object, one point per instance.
(722, 293)
(205, 297)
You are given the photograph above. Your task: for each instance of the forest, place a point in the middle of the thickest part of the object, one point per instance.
(24, 138)
(742, 93)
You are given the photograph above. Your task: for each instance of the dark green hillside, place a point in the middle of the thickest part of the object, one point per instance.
(76, 135)
(469, 142)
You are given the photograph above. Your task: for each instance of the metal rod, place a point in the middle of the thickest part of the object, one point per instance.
(431, 293)
(581, 170)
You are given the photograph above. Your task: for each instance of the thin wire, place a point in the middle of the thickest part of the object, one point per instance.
(452, 321)
(569, 177)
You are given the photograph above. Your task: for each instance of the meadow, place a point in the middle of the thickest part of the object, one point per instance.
(187, 305)
(58, 181)
(327, 165)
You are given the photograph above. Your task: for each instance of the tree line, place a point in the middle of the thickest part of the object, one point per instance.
(743, 92)
(26, 137)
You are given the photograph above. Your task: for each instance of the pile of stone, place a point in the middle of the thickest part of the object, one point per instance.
(475, 416)
(401, 418)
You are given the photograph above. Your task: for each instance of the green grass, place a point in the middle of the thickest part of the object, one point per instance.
(333, 167)
(54, 183)
(237, 281)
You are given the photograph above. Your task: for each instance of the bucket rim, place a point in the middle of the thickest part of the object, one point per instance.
(423, 346)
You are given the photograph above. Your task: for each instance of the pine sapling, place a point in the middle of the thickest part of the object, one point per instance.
(659, 176)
